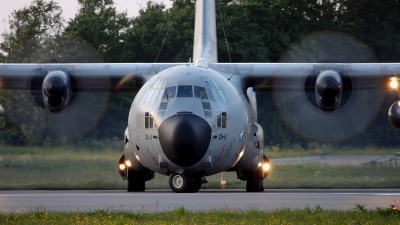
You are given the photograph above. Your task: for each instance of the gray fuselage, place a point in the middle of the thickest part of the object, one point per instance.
(181, 95)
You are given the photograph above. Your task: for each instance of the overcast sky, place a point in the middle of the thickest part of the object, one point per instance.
(70, 8)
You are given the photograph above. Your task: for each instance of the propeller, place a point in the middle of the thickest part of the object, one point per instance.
(299, 108)
(56, 108)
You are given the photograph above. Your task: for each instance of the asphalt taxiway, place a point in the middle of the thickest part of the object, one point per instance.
(165, 200)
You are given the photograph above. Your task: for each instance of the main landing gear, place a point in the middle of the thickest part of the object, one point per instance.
(184, 183)
(255, 179)
(136, 179)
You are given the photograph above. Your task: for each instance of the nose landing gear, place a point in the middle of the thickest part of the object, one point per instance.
(185, 183)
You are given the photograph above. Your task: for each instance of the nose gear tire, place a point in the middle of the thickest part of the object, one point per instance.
(184, 183)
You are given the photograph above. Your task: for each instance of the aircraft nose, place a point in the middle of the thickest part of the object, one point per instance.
(184, 138)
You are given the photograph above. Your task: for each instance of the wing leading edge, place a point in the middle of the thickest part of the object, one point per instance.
(263, 76)
(131, 76)
(88, 77)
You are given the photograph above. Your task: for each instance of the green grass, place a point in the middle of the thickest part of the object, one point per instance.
(276, 152)
(317, 215)
(55, 168)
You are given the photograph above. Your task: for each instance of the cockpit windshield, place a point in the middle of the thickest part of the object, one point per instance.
(211, 91)
(169, 92)
(185, 91)
(200, 92)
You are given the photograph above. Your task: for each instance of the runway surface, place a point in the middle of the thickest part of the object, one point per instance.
(166, 200)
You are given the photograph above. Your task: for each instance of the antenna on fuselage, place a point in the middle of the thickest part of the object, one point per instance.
(170, 25)
(159, 51)
(154, 70)
(223, 29)
(226, 40)
(231, 76)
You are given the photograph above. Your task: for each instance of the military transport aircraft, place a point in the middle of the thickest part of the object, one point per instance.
(192, 120)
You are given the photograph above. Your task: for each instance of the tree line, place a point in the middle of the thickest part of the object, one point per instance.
(256, 31)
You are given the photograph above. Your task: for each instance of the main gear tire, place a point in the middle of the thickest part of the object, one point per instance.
(135, 181)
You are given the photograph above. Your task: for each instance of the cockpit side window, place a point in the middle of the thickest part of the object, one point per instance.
(169, 92)
(216, 95)
(214, 91)
(222, 120)
(155, 94)
(210, 94)
(200, 92)
(221, 94)
(185, 91)
(148, 120)
(163, 106)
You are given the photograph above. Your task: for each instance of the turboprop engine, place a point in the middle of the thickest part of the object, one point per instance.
(56, 90)
(332, 100)
(394, 110)
(62, 102)
(394, 115)
(328, 90)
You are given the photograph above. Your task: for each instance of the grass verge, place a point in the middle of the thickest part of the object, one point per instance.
(80, 169)
(358, 215)
(276, 152)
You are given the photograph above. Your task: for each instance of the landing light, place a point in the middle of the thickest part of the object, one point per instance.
(128, 163)
(394, 84)
(266, 166)
(121, 166)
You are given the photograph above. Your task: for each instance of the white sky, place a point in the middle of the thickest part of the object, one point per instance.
(70, 8)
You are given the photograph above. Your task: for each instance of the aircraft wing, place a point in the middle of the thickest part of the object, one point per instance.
(87, 77)
(325, 102)
(60, 102)
(286, 76)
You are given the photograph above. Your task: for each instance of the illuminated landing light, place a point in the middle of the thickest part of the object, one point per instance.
(266, 167)
(122, 166)
(394, 84)
(128, 163)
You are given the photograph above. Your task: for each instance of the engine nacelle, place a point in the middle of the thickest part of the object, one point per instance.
(328, 90)
(56, 90)
(394, 115)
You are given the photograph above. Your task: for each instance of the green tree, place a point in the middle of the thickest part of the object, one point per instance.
(29, 27)
(375, 23)
(161, 34)
(98, 23)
